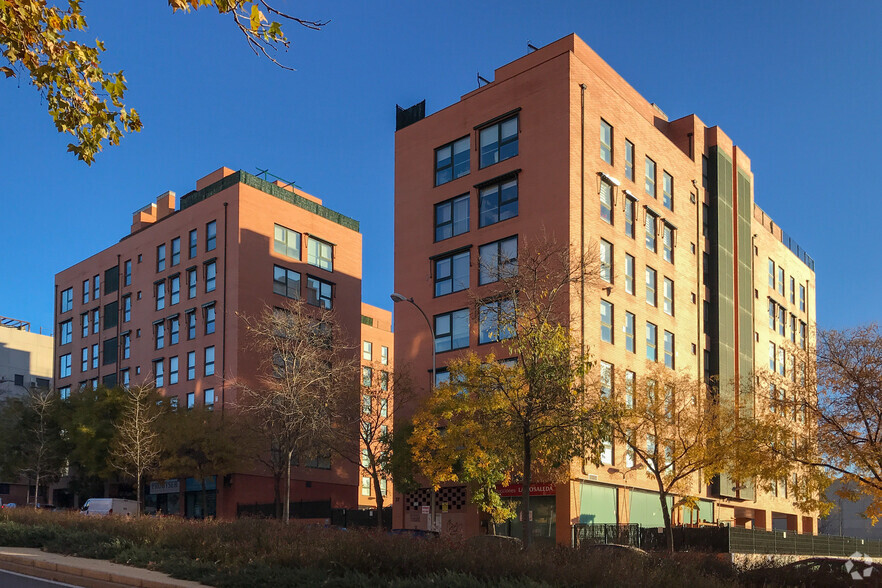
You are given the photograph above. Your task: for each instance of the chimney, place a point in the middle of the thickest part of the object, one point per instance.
(164, 206)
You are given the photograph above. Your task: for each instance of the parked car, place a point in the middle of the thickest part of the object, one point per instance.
(817, 571)
(110, 506)
(8, 505)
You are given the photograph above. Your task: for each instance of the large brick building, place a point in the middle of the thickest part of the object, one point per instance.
(165, 305)
(559, 145)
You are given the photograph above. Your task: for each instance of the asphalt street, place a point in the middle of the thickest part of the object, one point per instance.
(13, 580)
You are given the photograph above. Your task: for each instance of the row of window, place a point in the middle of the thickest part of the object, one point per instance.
(495, 319)
(367, 378)
(497, 201)
(367, 352)
(607, 153)
(92, 287)
(319, 253)
(498, 142)
(159, 366)
(778, 284)
(607, 334)
(781, 362)
(778, 322)
(496, 261)
(171, 256)
(367, 404)
(286, 282)
(778, 403)
(367, 485)
(169, 328)
(607, 274)
(168, 291)
(652, 222)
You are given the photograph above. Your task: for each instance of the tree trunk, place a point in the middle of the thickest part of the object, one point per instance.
(138, 494)
(666, 514)
(37, 488)
(525, 495)
(379, 494)
(286, 509)
(277, 495)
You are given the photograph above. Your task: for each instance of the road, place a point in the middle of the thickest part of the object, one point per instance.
(13, 580)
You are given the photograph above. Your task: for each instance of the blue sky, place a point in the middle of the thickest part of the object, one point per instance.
(795, 85)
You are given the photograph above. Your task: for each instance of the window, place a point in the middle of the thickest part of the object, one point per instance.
(667, 190)
(64, 365)
(383, 486)
(782, 321)
(126, 377)
(159, 335)
(782, 364)
(127, 273)
(84, 360)
(127, 308)
(771, 356)
(286, 242)
(630, 211)
(66, 300)
(191, 324)
(452, 161)
(175, 251)
(318, 292)
(773, 397)
(96, 294)
(211, 236)
(174, 289)
(629, 332)
(651, 220)
(606, 379)
(160, 257)
(498, 202)
(669, 349)
(650, 286)
(209, 361)
(174, 330)
(668, 296)
(194, 240)
(191, 400)
(496, 321)
(208, 398)
(87, 287)
(499, 141)
(650, 177)
(606, 321)
(384, 386)
(668, 242)
(452, 330)
(802, 298)
(452, 273)
(367, 375)
(210, 316)
(173, 370)
(606, 202)
(773, 313)
(66, 328)
(606, 261)
(95, 354)
(384, 355)
(629, 273)
(210, 276)
(801, 335)
(498, 260)
(286, 282)
(191, 365)
(771, 274)
(365, 486)
(127, 345)
(159, 291)
(705, 220)
(452, 217)
(606, 142)
(651, 342)
(793, 328)
(792, 290)
(629, 160)
(96, 321)
(84, 320)
(367, 350)
(781, 281)
(191, 283)
(320, 254)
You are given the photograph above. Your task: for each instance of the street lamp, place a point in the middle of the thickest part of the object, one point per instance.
(624, 474)
(396, 298)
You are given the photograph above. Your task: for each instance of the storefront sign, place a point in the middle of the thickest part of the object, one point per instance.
(516, 490)
(172, 486)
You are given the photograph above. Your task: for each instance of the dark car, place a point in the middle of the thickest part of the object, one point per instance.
(817, 571)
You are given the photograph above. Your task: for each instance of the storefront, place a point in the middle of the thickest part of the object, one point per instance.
(543, 512)
(193, 498)
(163, 497)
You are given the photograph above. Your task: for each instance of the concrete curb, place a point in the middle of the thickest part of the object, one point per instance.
(81, 571)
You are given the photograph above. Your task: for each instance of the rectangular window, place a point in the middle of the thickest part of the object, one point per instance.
(127, 308)
(174, 330)
(211, 236)
(208, 398)
(384, 355)
(194, 243)
(792, 290)
(771, 356)
(452, 161)
(452, 330)
(66, 329)
(499, 142)
(782, 321)
(286, 282)
(209, 361)
(705, 220)
(160, 257)
(191, 400)
(802, 298)
(782, 363)
(64, 364)
(320, 254)
(175, 251)
(606, 261)
(606, 379)
(651, 230)
(96, 293)
(801, 335)
(286, 242)
(452, 273)
(606, 321)
(95, 354)
(498, 260)
(668, 242)
(384, 386)
(159, 293)
(452, 217)
(191, 283)
(781, 281)
(630, 212)
(669, 349)
(650, 177)
(127, 345)
(191, 324)
(496, 321)
(210, 276)
(667, 190)
(191, 365)
(367, 351)
(629, 332)
(84, 360)
(159, 335)
(606, 142)
(367, 375)
(84, 323)
(365, 486)
(629, 160)
(773, 313)
(173, 370)
(771, 274)
(793, 328)
(174, 289)
(210, 315)
(651, 342)
(96, 321)
(498, 202)
(668, 296)
(111, 315)
(319, 292)
(87, 287)
(629, 273)
(127, 273)
(606, 202)
(126, 378)
(650, 287)
(66, 300)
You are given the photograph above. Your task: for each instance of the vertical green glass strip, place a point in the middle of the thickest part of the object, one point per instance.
(745, 294)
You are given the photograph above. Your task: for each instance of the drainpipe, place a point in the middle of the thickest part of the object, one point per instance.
(224, 326)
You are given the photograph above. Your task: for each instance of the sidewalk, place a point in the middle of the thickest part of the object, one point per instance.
(81, 571)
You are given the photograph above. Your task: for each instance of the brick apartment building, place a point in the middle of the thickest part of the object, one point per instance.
(164, 305)
(559, 144)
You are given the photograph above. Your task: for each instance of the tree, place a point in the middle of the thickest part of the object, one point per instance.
(306, 391)
(494, 422)
(136, 448)
(83, 99)
(38, 446)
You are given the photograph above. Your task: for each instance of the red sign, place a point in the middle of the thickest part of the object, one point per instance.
(515, 490)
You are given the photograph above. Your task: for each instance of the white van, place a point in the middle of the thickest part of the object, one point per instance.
(110, 506)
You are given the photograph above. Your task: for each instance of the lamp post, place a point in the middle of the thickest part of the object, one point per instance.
(396, 298)
(624, 475)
